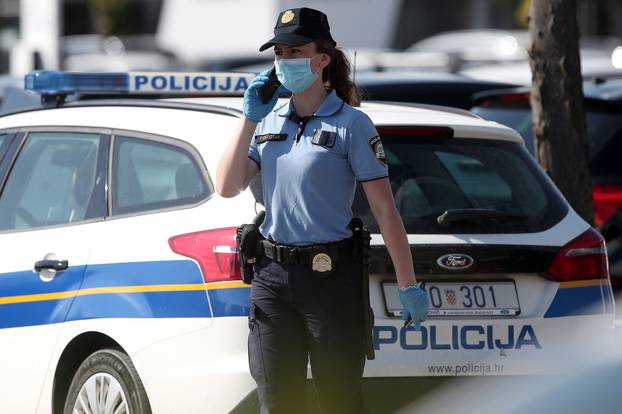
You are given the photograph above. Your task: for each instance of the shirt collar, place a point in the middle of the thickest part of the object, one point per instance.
(331, 104)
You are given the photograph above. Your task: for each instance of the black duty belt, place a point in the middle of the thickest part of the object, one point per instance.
(304, 254)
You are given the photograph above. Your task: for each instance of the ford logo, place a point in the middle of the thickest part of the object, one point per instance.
(455, 261)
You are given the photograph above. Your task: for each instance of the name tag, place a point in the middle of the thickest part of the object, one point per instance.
(324, 138)
(270, 137)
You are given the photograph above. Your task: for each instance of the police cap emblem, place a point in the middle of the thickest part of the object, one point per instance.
(287, 16)
(321, 263)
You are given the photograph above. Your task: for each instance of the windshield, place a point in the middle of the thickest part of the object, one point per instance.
(430, 176)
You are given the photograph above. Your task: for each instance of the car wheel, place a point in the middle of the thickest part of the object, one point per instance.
(107, 383)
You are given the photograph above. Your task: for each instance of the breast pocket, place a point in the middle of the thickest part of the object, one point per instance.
(324, 138)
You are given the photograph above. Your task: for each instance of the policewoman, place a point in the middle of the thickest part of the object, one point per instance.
(311, 151)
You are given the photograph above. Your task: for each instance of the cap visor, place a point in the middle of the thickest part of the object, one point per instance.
(289, 39)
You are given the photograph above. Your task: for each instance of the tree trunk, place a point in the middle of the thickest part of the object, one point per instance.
(557, 100)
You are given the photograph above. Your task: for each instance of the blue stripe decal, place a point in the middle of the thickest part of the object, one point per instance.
(576, 301)
(37, 313)
(191, 304)
(230, 302)
(142, 273)
(29, 283)
(177, 304)
(33, 313)
(102, 275)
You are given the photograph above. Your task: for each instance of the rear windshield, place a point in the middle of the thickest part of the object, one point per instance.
(431, 176)
(604, 136)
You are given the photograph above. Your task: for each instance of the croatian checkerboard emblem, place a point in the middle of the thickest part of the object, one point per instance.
(450, 296)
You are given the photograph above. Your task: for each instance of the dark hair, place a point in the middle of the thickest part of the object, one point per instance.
(337, 74)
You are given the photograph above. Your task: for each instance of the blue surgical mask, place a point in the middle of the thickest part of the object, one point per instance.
(295, 74)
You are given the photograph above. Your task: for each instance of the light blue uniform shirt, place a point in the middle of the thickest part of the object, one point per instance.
(309, 183)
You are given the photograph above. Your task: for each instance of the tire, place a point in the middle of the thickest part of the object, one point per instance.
(112, 371)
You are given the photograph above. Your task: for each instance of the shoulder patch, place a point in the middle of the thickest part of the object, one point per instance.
(376, 147)
(270, 137)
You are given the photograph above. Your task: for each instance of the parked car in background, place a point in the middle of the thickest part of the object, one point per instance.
(603, 110)
(476, 46)
(115, 54)
(432, 88)
(595, 63)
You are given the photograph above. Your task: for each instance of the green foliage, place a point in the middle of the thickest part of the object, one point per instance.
(109, 15)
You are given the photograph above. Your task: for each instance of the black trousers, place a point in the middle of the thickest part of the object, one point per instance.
(297, 316)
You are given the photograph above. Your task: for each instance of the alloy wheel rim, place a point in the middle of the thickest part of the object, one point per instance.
(101, 394)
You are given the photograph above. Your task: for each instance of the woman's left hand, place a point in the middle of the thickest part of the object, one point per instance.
(415, 301)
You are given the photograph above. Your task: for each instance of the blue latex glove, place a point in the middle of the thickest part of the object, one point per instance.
(415, 301)
(253, 108)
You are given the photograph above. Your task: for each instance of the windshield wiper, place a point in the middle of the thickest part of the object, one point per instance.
(477, 214)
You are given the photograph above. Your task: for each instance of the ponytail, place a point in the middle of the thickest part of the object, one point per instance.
(337, 74)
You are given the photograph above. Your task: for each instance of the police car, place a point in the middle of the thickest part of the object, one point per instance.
(120, 288)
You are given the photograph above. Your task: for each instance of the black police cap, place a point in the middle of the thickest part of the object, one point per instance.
(295, 27)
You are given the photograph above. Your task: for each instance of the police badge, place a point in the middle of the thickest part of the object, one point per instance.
(321, 263)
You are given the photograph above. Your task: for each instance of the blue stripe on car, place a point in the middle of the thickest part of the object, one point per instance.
(575, 301)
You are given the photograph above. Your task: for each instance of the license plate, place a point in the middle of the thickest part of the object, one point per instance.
(498, 298)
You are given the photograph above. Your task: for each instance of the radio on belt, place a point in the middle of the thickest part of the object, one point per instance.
(54, 84)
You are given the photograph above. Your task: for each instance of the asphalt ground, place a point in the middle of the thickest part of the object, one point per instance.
(381, 395)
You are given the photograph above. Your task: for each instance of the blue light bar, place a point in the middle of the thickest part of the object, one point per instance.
(133, 83)
(48, 82)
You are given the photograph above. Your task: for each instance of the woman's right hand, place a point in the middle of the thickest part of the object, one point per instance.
(253, 108)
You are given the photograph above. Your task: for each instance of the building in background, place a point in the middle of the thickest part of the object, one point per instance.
(203, 30)
(118, 17)
(423, 18)
(208, 29)
(9, 31)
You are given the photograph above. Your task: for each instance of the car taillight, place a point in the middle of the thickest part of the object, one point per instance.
(214, 250)
(583, 258)
(508, 99)
(607, 200)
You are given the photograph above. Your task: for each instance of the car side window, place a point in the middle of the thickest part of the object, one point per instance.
(51, 181)
(151, 175)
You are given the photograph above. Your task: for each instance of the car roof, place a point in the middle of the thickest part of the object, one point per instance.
(416, 77)
(605, 89)
(594, 64)
(435, 88)
(595, 90)
(91, 113)
(465, 124)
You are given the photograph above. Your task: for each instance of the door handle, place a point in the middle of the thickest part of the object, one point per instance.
(56, 265)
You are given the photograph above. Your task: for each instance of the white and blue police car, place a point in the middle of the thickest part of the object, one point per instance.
(120, 289)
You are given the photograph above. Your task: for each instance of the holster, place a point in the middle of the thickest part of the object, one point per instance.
(249, 239)
(362, 238)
